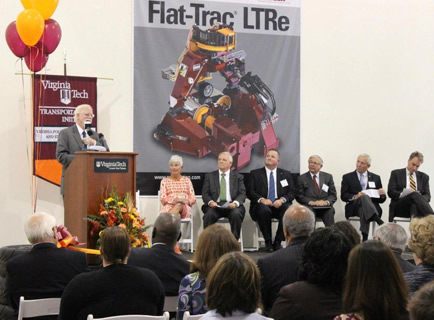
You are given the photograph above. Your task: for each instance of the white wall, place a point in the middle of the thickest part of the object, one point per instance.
(367, 74)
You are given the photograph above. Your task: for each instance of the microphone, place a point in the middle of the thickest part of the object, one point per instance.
(87, 124)
(104, 142)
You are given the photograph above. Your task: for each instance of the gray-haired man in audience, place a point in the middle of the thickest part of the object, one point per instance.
(280, 268)
(395, 237)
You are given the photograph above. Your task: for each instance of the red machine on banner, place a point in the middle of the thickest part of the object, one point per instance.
(54, 101)
(202, 119)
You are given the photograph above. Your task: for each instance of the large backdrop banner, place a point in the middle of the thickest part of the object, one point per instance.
(213, 76)
(54, 101)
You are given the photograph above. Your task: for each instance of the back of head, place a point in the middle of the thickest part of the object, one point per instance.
(234, 284)
(115, 245)
(167, 228)
(374, 284)
(393, 236)
(422, 238)
(214, 241)
(421, 305)
(324, 260)
(40, 227)
(348, 230)
(298, 221)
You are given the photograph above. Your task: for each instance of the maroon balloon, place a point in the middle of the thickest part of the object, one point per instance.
(36, 59)
(14, 41)
(51, 37)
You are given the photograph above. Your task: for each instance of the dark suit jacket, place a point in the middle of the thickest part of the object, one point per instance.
(279, 269)
(68, 143)
(306, 190)
(211, 188)
(169, 267)
(44, 272)
(398, 182)
(351, 186)
(258, 187)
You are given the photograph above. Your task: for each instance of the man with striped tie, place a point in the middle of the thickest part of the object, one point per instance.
(409, 190)
(271, 191)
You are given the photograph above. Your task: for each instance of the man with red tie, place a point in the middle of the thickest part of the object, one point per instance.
(316, 190)
(271, 191)
(409, 190)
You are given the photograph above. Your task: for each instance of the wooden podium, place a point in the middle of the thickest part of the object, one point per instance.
(89, 180)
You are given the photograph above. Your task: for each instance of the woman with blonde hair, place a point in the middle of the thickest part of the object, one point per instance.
(214, 241)
(421, 244)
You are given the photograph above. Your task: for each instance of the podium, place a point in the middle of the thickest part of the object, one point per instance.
(89, 180)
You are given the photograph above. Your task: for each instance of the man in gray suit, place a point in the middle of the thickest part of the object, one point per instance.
(316, 189)
(223, 195)
(75, 138)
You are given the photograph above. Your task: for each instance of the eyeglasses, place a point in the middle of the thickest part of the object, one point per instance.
(315, 163)
(89, 115)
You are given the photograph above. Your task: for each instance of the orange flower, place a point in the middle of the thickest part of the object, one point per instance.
(103, 213)
(123, 226)
(124, 210)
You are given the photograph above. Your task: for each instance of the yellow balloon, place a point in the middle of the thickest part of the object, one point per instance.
(30, 26)
(45, 7)
(27, 4)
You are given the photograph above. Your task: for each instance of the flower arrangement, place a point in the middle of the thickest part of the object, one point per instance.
(117, 211)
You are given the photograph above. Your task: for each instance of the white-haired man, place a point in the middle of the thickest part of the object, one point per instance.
(223, 195)
(395, 237)
(45, 271)
(75, 138)
(355, 192)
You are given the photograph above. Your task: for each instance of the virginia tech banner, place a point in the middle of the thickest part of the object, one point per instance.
(54, 101)
(213, 76)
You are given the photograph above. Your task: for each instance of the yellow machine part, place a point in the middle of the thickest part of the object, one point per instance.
(224, 101)
(200, 113)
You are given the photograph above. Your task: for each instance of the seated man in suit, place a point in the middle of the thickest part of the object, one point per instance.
(75, 138)
(409, 190)
(280, 268)
(271, 191)
(45, 271)
(317, 190)
(354, 191)
(223, 195)
(161, 257)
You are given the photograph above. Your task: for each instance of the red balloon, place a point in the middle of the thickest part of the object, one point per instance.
(14, 41)
(36, 59)
(51, 36)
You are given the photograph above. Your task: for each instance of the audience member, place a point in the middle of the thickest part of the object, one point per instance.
(234, 289)
(409, 190)
(280, 268)
(176, 191)
(395, 237)
(347, 229)
(160, 258)
(316, 189)
(214, 242)
(354, 191)
(271, 191)
(223, 195)
(318, 294)
(116, 289)
(421, 305)
(374, 287)
(421, 244)
(45, 271)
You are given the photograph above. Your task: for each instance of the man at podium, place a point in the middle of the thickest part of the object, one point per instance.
(76, 138)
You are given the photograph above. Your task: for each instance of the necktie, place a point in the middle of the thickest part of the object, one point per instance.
(271, 188)
(315, 184)
(223, 188)
(362, 182)
(83, 133)
(412, 182)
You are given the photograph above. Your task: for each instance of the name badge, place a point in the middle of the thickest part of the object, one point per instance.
(325, 188)
(371, 184)
(283, 183)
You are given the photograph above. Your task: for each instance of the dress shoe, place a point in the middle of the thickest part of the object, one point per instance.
(277, 245)
(377, 219)
(268, 247)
